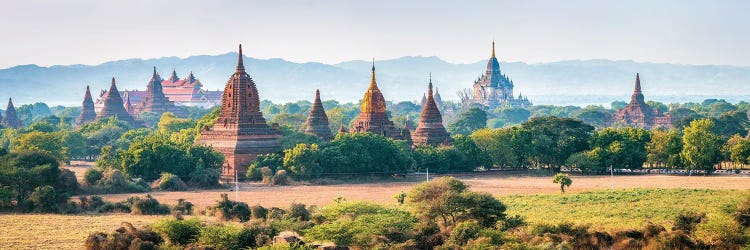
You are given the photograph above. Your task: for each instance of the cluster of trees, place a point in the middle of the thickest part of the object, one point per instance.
(440, 214)
(34, 182)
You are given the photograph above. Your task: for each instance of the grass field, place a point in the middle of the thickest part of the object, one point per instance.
(655, 198)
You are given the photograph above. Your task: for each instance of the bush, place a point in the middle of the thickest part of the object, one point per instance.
(44, 199)
(256, 235)
(205, 178)
(220, 237)
(115, 181)
(68, 181)
(280, 178)
(258, 212)
(92, 176)
(298, 211)
(230, 210)
(688, 221)
(177, 231)
(125, 237)
(720, 233)
(742, 214)
(465, 231)
(183, 207)
(169, 182)
(147, 206)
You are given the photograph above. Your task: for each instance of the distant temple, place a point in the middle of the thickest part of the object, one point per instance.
(240, 132)
(317, 121)
(154, 100)
(10, 120)
(183, 92)
(430, 130)
(494, 89)
(87, 109)
(373, 117)
(639, 114)
(113, 106)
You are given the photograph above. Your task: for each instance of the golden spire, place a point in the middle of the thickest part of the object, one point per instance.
(372, 82)
(493, 48)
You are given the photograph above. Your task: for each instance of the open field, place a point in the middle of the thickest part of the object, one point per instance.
(498, 185)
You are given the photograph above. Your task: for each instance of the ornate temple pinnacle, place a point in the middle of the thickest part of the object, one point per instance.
(240, 63)
(493, 48)
(637, 83)
(372, 81)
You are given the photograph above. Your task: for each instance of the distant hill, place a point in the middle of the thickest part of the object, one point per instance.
(577, 82)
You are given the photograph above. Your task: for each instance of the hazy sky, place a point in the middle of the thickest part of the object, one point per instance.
(92, 32)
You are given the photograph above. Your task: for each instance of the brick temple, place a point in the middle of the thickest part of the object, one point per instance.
(430, 130)
(88, 114)
(639, 114)
(317, 120)
(10, 120)
(240, 132)
(373, 117)
(494, 89)
(154, 101)
(113, 106)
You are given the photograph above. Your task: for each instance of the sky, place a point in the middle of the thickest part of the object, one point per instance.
(92, 32)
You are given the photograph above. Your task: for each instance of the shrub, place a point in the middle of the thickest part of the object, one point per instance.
(68, 181)
(258, 212)
(92, 176)
(465, 231)
(115, 181)
(44, 199)
(183, 207)
(226, 209)
(169, 182)
(254, 174)
(256, 234)
(178, 231)
(205, 178)
(220, 237)
(280, 178)
(742, 214)
(147, 206)
(688, 221)
(720, 233)
(125, 237)
(298, 211)
(267, 175)
(512, 222)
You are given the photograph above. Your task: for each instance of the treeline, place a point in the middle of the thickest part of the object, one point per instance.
(440, 214)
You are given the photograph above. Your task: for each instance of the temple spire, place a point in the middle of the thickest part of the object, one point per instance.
(637, 83)
(154, 75)
(493, 48)
(372, 82)
(429, 87)
(11, 118)
(240, 63)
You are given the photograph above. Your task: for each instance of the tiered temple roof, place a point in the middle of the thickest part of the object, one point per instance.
(10, 119)
(87, 109)
(639, 114)
(373, 117)
(494, 89)
(155, 101)
(317, 121)
(240, 132)
(430, 130)
(113, 106)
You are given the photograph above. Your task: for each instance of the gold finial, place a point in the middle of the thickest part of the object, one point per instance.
(493, 48)
(372, 82)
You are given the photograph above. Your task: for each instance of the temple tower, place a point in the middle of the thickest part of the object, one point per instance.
(373, 117)
(430, 130)
(639, 114)
(11, 118)
(114, 107)
(88, 113)
(317, 120)
(155, 101)
(240, 132)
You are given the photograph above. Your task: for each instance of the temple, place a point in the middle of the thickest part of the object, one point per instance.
(317, 121)
(10, 120)
(182, 92)
(494, 89)
(87, 109)
(154, 101)
(373, 117)
(240, 132)
(114, 107)
(639, 114)
(430, 130)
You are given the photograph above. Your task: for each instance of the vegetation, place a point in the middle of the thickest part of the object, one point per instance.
(564, 181)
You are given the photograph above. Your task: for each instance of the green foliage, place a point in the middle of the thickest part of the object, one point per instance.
(183, 207)
(272, 161)
(562, 179)
(147, 206)
(302, 161)
(465, 231)
(220, 237)
(291, 138)
(499, 144)
(92, 176)
(170, 182)
(45, 199)
(620, 148)
(742, 213)
(700, 146)
(449, 200)
(473, 119)
(473, 155)
(593, 115)
(664, 149)
(364, 153)
(115, 181)
(35, 181)
(226, 209)
(177, 231)
(554, 139)
(442, 159)
(48, 143)
(170, 123)
(585, 161)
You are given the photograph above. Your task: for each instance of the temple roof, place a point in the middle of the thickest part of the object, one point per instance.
(174, 77)
(373, 101)
(317, 120)
(88, 112)
(11, 118)
(493, 77)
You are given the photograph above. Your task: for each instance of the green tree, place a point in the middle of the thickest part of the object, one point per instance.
(365, 153)
(49, 143)
(498, 144)
(700, 145)
(554, 139)
(474, 155)
(564, 181)
(450, 201)
(620, 148)
(665, 148)
(473, 119)
(302, 161)
(169, 122)
(593, 115)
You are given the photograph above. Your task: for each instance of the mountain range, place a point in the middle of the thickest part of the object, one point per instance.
(573, 82)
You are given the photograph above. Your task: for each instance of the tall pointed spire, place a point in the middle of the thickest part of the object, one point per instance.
(240, 63)
(129, 106)
(372, 81)
(637, 83)
(115, 107)
(11, 118)
(173, 78)
(493, 48)
(88, 113)
(430, 130)
(317, 120)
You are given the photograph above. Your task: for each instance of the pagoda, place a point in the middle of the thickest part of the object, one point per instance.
(494, 89)
(430, 130)
(129, 107)
(114, 107)
(373, 117)
(87, 109)
(11, 118)
(155, 101)
(639, 114)
(240, 132)
(317, 121)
